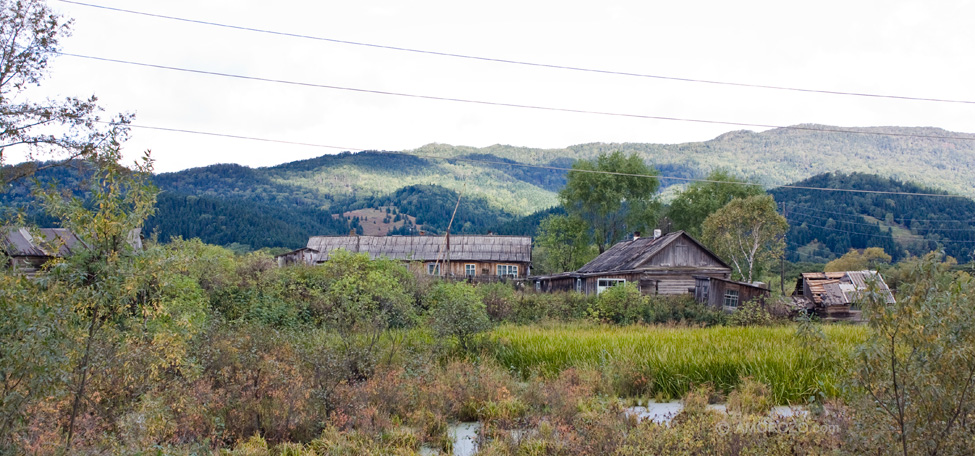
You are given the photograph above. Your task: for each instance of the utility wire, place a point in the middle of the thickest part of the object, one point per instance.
(864, 223)
(518, 62)
(526, 165)
(903, 219)
(514, 105)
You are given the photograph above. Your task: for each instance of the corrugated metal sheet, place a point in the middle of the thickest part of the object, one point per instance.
(428, 248)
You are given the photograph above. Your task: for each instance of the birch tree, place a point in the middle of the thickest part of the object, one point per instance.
(747, 232)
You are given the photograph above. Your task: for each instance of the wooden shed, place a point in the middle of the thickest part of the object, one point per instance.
(666, 264)
(727, 294)
(835, 295)
(454, 256)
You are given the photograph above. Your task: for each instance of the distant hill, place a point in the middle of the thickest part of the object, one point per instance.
(333, 194)
(827, 224)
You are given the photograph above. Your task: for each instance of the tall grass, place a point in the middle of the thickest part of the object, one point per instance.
(671, 360)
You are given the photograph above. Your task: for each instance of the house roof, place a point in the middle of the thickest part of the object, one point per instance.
(842, 287)
(515, 249)
(42, 242)
(634, 254)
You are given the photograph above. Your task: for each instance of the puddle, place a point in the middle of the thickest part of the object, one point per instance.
(664, 412)
(463, 436)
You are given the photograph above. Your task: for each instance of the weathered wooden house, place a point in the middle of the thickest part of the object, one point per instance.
(727, 294)
(666, 264)
(476, 257)
(26, 250)
(835, 295)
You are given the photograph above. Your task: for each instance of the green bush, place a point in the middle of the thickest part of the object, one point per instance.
(751, 313)
(622, 304)
(456, 311)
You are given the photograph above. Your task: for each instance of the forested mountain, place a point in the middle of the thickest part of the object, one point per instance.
(928, 156)
(826, 224)
(283, 205)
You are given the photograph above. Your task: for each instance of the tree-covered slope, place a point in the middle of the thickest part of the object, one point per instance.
(929, 156)
(826, 224)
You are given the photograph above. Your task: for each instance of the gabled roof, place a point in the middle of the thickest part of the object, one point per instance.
(841, 287)
(515, 249)
(634, 254)
(42, 242)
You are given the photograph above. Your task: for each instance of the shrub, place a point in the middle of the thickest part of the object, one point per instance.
(621, 304)
(751, 313)
(498, 299)
(456, 311)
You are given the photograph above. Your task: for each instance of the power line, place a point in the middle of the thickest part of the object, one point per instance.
(903, 219)
(523, 165)
(518, 62)
(875, 225)
(918, 237)
(514, 105)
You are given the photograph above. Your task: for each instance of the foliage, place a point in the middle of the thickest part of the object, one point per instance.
(612, 205)
(31, 35)
(35, 330)
(747, 232)
(701, 199)
(562, 245)
(856, 260)
(621, 304)
(749, 314)
(916, 370)
(457, 312)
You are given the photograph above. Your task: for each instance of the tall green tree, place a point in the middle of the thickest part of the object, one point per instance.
(612, 205)
(54, 131)
(562, 244)
(693, 205)
(748, 233)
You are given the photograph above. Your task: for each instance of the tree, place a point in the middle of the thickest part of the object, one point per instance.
(456, 311)
(748, 232)
(612, 205)
(692, 206)
(858, 260)
(562, 243)
(916, 371)
(120, 201)
(30, 35)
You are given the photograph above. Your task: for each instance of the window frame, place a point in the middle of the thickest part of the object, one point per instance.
(731, 298)
(509, 270)
(433, 269)
(470, 269)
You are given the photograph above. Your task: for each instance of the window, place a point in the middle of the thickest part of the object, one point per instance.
(433, 269)
(470, 269)
(731, 298)
(604, 284)
(507, 270)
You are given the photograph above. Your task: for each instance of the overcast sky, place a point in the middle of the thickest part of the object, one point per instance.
(906, 48)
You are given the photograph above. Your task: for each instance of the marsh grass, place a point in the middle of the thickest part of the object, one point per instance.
(672, 360)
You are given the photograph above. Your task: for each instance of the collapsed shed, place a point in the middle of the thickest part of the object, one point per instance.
(836, 295)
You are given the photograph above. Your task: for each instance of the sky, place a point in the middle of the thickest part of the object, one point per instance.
(904, 48)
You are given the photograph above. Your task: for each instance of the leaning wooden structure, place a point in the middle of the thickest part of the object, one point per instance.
(834, 296)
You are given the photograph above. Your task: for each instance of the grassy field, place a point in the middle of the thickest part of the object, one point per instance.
(671, 360)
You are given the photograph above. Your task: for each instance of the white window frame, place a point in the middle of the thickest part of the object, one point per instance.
(507, 270)
(433, 268)
(731, 298)
(470, 270)
(605, 284)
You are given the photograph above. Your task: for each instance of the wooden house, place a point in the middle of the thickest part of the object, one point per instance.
(835, 295)
(476, 257)
(727, 294)
(666, 264)
(26, 250)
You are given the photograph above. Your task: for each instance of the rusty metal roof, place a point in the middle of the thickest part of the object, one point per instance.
(41, 242)
(634, 254)
(515, 249)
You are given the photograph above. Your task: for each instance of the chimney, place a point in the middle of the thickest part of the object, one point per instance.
(490, 233)
(422, 233)
(656, 234)
(636, 235)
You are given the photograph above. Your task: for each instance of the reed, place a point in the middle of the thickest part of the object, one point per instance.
(670, 360)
